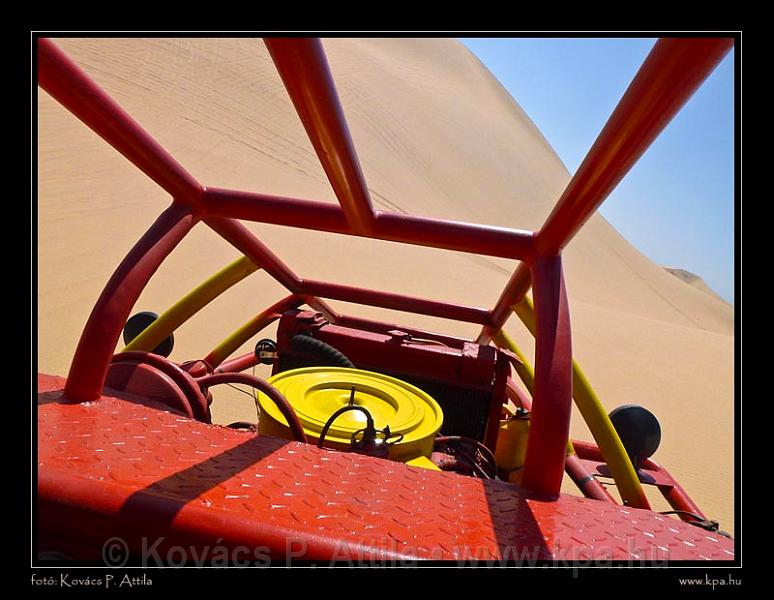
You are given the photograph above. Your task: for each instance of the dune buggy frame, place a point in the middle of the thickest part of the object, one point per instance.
(673, 70)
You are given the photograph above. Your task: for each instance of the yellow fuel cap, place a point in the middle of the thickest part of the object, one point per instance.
(317, 392)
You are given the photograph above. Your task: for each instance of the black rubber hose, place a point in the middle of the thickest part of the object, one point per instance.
(325, 352)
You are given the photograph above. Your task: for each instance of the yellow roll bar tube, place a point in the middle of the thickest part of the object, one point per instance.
(228, 346)
(189, 305)
(599, 423)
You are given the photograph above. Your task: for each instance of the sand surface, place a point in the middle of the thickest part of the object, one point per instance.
(437, 136)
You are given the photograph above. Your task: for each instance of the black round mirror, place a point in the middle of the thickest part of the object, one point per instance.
(639, 431)
(139, 323)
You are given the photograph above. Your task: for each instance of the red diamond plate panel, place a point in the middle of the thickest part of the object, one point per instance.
(120, 468)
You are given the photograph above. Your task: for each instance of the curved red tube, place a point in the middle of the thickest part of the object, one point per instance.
(261, 384)
(184, 380)
(100, 335)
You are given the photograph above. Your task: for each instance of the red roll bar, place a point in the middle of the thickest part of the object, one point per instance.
(77, 92)
(303, 67)
(388, 226)
(358, 295)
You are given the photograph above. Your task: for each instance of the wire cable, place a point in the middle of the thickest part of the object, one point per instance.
(337, 414)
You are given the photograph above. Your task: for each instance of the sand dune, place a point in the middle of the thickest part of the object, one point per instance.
(438, 136)
(693, 280)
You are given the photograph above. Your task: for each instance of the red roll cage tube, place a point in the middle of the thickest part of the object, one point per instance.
(671, 73)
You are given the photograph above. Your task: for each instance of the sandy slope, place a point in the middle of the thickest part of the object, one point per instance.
(437, 136)
(693, 280)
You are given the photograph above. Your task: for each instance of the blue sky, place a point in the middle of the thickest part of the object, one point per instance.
(677, 204)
